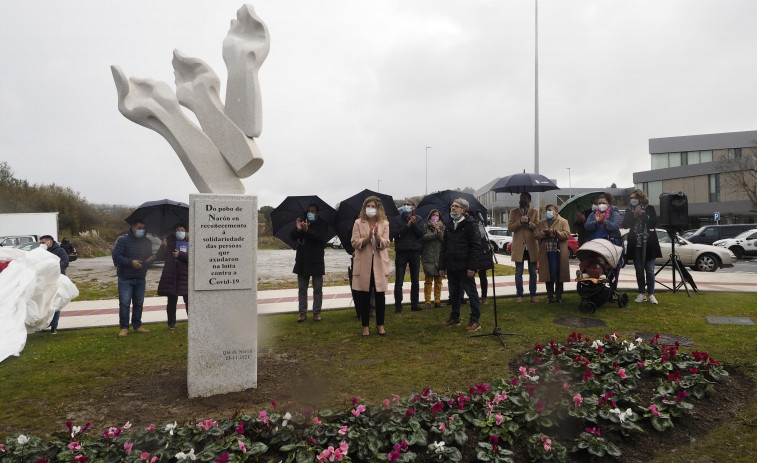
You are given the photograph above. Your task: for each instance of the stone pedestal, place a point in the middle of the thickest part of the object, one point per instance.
(222, 294)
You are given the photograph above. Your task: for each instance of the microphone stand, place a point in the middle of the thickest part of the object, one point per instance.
(497, 331)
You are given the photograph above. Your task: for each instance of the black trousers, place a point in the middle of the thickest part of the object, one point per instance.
(363, 304)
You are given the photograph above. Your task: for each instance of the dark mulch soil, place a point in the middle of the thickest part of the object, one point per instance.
(285, 377)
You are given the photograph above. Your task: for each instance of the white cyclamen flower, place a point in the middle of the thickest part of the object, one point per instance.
(22, 439)
(170, 428)
(639, 340)
(75, 430)
(439, 446)
(597, 343)
(622, 415)
(287, 417)
(186, 456)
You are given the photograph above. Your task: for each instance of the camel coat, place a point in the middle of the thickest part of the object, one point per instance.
(562, 228)
(523, 235)
(361, 273)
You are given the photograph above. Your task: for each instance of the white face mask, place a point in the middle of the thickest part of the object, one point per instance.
(603, 207)
(550, 214)
(370, 211)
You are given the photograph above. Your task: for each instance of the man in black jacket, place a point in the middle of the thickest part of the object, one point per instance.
(461, 251)
(49, 243)
(407, 235)
(311, 233)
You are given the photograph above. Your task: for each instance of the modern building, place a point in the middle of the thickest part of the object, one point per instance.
(697, 165)
(498, 205)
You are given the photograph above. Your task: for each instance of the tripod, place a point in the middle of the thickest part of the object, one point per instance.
(675, 266)
(497, 331)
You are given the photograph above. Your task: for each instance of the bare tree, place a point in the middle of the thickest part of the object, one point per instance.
(738, 173)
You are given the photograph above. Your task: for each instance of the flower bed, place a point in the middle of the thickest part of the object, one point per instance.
(577, 399)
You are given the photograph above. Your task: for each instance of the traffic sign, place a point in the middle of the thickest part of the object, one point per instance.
(717, 216)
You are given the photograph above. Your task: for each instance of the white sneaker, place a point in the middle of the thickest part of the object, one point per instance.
(642, 298)
(652, 299)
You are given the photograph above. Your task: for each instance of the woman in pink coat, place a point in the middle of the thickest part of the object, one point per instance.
(370, 238)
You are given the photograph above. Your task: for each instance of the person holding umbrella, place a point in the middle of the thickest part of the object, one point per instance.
(370, 238)
(131, 255)
(174, 280)
(311, 235)
(432, 245)
(553, 233)
(523, 222)
(643, 246)
(407, 235)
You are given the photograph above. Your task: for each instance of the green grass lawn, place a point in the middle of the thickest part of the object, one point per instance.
(53, 372)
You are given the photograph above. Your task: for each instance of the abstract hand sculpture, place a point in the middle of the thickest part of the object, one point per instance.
(223, 151)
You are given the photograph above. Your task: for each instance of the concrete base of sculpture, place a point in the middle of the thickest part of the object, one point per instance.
(222, 294)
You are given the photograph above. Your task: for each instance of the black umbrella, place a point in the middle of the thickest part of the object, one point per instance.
(349, 210)
(284, 217)
(442, 201)
(160, 216)
(523, 183)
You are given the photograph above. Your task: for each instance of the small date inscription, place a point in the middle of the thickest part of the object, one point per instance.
(241, 354)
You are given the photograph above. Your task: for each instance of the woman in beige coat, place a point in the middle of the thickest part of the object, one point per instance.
(553, 233)
(370, 238)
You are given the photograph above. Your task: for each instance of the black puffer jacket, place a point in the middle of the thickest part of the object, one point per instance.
(461, 248)
(310, 244)
(174, 279)
(407, 238)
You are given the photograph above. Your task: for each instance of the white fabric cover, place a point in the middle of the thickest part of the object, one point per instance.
(604, 248)
(31, 291)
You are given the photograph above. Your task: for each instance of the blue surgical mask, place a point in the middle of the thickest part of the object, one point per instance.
(454, 216)
(550, 214)
(407, 209)
(634, 202)
(311, 217)
(139, 233)
(181, 235)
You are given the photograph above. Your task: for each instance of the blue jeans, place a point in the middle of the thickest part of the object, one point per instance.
(532, 277)
(644, 269)
(130, 290)
(54, 321)
(457, 282)
(302, 293)
(402, 259)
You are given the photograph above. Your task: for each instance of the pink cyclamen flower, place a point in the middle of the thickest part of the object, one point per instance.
(387, 404)
(393, 456)
(317, 421)
(207, 424)
(127, 425)
(396, 399)
(223, 458)
(342, 431)
(154, 459)
(241, 446)
(144, 456)
(442, 427)
(654, 410)
(150, 428)
(565, 386)
(578, 400)
(2, 448)
(73, 446)
(240, 428)
(357, 411)
(128, 446)
(499, 419)
(594, 431)
(81, 458)
(622, 373)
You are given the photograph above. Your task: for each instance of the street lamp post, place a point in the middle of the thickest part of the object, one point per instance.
(427, 168)
(570, 184)
(378, 186)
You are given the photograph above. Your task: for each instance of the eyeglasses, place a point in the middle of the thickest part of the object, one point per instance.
(456, 206)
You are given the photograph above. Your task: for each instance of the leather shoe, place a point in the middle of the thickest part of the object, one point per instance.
(123, 332)
(302, 318)
(141, 330)
(317, 317)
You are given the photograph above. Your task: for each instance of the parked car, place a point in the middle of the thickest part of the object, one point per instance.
(13, 241)
(711, 233)
(688, 233)
(703, 257)
(28, 246)
(572, 245)
(744, 244)
(335, 243)
(499, 237)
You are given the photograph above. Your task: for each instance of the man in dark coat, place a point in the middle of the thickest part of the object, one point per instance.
(461, 252)
(132, 254)
(407, 234)
(311, 235)
(48, 242)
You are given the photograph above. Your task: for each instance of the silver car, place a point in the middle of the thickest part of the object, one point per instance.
(703, 257)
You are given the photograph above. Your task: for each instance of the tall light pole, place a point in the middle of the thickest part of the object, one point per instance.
(427, 169)
(536, 95)
(378, 186)
(570, 184)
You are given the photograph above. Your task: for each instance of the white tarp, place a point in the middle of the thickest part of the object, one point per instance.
(31, 291)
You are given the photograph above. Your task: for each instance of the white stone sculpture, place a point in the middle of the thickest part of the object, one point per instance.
(223, 151)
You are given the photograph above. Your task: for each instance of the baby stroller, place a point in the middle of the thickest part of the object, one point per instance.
(598, 260)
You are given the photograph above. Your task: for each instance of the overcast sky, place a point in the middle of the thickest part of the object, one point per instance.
(355, 90)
